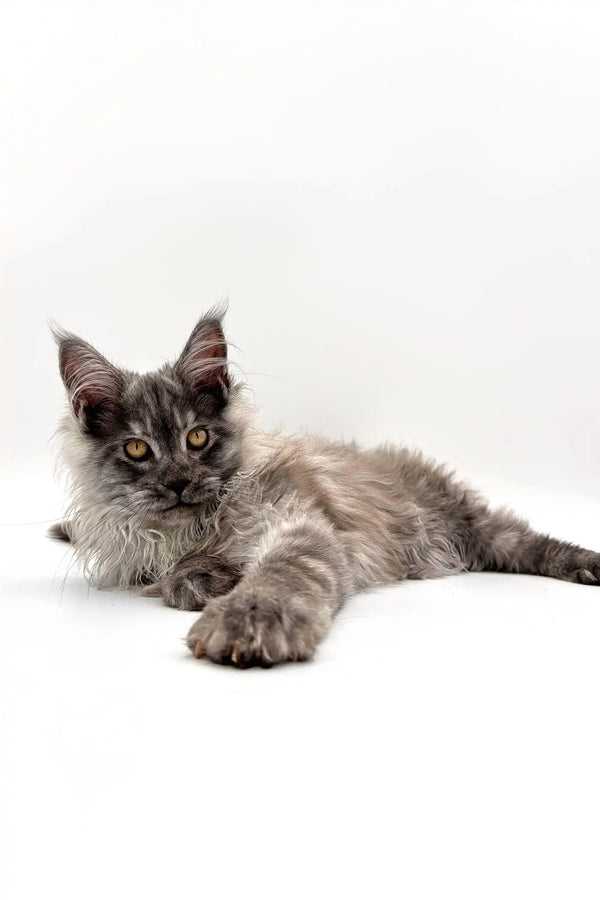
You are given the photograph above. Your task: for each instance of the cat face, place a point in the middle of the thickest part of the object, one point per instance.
(161, 445)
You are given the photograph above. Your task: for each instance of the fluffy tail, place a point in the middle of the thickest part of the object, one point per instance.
(60, 532)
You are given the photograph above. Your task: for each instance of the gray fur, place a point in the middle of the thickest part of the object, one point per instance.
(267, 534)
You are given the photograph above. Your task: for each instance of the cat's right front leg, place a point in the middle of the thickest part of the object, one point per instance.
(193, 581)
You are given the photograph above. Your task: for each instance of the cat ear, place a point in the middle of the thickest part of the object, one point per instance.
(203, 363)
(94, 385)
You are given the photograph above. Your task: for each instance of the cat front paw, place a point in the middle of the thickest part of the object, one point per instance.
(250, 628)
(179, 592)
(192, 584)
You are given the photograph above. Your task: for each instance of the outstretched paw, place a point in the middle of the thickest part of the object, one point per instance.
(578, 565)
(588, 575)
(248, 628)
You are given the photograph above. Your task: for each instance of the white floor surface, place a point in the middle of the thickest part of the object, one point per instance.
(444, 742)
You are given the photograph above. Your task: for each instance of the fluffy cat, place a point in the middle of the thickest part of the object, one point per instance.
(176, 491)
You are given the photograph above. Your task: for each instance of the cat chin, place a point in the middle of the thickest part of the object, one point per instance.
(174, 515)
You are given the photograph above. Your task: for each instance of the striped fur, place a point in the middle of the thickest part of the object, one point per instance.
(267, 534)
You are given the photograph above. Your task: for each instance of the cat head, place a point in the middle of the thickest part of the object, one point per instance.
(160, 445)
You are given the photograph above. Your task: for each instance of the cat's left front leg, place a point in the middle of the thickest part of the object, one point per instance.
(284, 604)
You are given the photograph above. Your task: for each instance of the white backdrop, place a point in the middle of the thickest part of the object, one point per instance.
(400, 201)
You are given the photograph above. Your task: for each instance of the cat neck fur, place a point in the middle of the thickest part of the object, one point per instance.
(114, 544)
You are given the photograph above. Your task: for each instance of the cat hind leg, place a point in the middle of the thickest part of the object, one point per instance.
(499, 541)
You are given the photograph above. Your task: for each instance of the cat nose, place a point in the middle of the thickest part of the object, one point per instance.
(178, 486)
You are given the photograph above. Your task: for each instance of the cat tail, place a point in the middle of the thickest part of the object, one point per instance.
(60, 532)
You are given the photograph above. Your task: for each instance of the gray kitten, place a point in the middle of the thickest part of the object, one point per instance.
(177, 491)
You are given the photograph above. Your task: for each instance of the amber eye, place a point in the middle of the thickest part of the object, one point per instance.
(197, 438)
(137, 450)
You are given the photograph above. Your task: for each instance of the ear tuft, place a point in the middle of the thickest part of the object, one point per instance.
(203, 362)
(94, 385)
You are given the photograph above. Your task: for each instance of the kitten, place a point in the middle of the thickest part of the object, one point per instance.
(175, 490)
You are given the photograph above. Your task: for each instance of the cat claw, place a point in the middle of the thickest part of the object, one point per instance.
(235, 653)
(198, 650)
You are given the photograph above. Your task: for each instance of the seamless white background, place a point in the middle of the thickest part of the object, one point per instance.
(400, 202)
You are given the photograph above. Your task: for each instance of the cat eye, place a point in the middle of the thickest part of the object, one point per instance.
(197, 438)
(136, 449)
